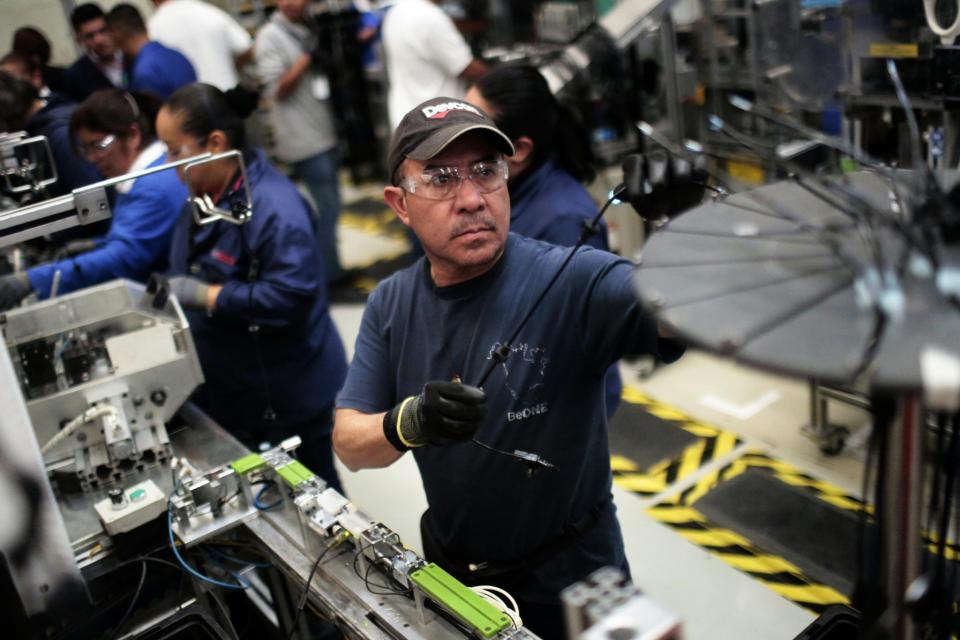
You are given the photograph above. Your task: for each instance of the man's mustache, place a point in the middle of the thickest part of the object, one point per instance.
(480, 221)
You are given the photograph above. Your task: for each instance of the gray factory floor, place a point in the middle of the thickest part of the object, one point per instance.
(729, 423)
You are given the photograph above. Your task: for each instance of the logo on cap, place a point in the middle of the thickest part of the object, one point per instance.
(440, 111)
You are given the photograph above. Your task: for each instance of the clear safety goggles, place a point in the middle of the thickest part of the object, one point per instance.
(443, 183)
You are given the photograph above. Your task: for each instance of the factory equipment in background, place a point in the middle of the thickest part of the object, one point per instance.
(102, 372)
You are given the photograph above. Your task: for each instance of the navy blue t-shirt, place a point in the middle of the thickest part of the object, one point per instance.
(547, 203)
(547, 398)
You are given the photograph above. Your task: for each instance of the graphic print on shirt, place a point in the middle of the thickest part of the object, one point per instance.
(524, 372)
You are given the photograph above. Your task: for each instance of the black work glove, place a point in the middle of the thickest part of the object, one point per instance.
(443, 413)
(660, 185)
(13, 288)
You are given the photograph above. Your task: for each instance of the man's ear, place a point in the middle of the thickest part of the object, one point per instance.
(396, 199)
(523, 149)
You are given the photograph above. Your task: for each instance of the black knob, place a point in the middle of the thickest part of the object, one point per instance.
(116, 496)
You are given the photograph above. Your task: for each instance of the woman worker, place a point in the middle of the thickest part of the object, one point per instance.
(254, 293)
(114, 131)
(552, 161)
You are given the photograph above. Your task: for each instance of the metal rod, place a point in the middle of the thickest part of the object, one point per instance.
(109, 182)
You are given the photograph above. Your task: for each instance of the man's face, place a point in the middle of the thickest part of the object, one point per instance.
(464, 235)
(292, 9)
(95, 37)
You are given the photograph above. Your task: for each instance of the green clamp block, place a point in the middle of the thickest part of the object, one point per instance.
(295, 473)
(248, 463)
(460, 600)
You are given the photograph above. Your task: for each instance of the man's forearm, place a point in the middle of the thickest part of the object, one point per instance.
(292, 77)
(359, 442)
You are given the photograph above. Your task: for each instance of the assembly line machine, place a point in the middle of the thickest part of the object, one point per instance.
(104, 463)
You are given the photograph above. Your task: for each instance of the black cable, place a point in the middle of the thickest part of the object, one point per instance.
(306, 589)
(500, 354)
(801, 176)
(774, 210)
(101, 610)
(836, 144)
(133, 600)
(388, 590)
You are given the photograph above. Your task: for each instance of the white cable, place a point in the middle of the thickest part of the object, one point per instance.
(489, 593)
(89, 415)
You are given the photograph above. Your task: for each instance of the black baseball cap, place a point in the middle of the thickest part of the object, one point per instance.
(431, 126)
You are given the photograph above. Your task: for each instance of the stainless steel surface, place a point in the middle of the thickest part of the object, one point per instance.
(628, 20)
(85, 205)
(201, 440)
(55, 214)
(151, 355)
(338, 592)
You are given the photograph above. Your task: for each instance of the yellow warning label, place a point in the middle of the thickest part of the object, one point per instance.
(893, 50)
(746, 172)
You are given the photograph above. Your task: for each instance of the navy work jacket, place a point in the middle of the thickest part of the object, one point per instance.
(271, 355)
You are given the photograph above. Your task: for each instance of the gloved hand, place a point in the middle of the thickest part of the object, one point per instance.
(14, 287)
(661, 185)
(191, 293)
(443, 413)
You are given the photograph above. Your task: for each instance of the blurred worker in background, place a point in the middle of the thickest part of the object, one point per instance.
(22, 108)
(426, 56)
(290, 64)
(101, 65)
(552, 160)
(114, 130)
(254, 293)
(152, 67)
(33, 44)
(215, 44)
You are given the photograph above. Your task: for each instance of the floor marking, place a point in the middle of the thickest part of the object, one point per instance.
(740, 411)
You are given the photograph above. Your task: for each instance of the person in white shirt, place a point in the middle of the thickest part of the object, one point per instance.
(211, 40)
(426, 56)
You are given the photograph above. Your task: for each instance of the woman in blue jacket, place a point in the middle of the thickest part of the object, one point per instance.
(553, 159)
(255, 293)
(114, 131)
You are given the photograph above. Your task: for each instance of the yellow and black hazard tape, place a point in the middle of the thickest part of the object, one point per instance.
(825, 491)
(783, 471)
(711, 443)
(777, 573)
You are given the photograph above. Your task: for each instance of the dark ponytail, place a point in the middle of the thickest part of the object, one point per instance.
(205, 109)
(523, 105)
(114, 111)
